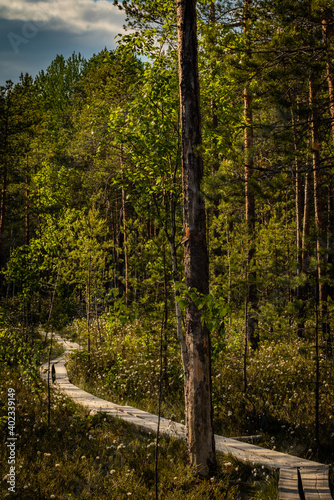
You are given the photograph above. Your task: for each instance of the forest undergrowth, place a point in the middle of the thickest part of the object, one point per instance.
(79, 455)
(280, 399)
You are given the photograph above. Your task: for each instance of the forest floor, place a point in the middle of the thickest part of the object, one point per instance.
(279, 405)
(79, 455)
(246, 452)
(82, 456)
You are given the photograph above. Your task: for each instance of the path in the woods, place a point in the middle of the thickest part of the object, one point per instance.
(299, 478)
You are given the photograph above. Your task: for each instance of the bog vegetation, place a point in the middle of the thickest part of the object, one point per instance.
(91, 245)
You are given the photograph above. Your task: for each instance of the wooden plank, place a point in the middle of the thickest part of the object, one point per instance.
(278, 457)
(288, 484)
(315, 483)
(253, 439)
(257, 455)
(243, 455)
(313, 476)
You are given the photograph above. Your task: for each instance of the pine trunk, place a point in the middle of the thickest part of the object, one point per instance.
(178, 312)
(125, 242)
(328, 33)
(299, 230)
(318, 212)
(250, 223)
(306, 224)
(3, 202)
(3, 211)
(198, 397)
(251, 297)
(26, 218)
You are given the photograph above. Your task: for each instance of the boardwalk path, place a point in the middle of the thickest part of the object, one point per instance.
(299, 478)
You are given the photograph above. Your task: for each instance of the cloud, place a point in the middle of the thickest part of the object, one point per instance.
(77, 17)
(32, 33)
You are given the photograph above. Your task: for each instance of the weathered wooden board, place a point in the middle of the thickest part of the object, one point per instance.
(223, 445)
(315, 483)
(258, 455)
(288, 484)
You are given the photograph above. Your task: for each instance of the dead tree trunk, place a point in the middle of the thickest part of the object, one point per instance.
(198, 393)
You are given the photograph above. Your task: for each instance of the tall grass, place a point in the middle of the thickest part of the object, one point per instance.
(83, 456)
(279, 402)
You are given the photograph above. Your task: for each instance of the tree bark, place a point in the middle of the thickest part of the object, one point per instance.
(306, 223)
(3, 210)
(214, 117)
(178, 312)
(318, 212)
(298, 198)
(125, 241)
(198, 393)
(299, 229)
(328, 34)
(252, 298)
(88, 296)
(26, 218)
(4, 161)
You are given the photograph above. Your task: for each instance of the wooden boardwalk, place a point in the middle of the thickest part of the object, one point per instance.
(299, 478)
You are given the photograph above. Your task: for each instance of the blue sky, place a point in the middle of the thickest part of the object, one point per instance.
(33, 32)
